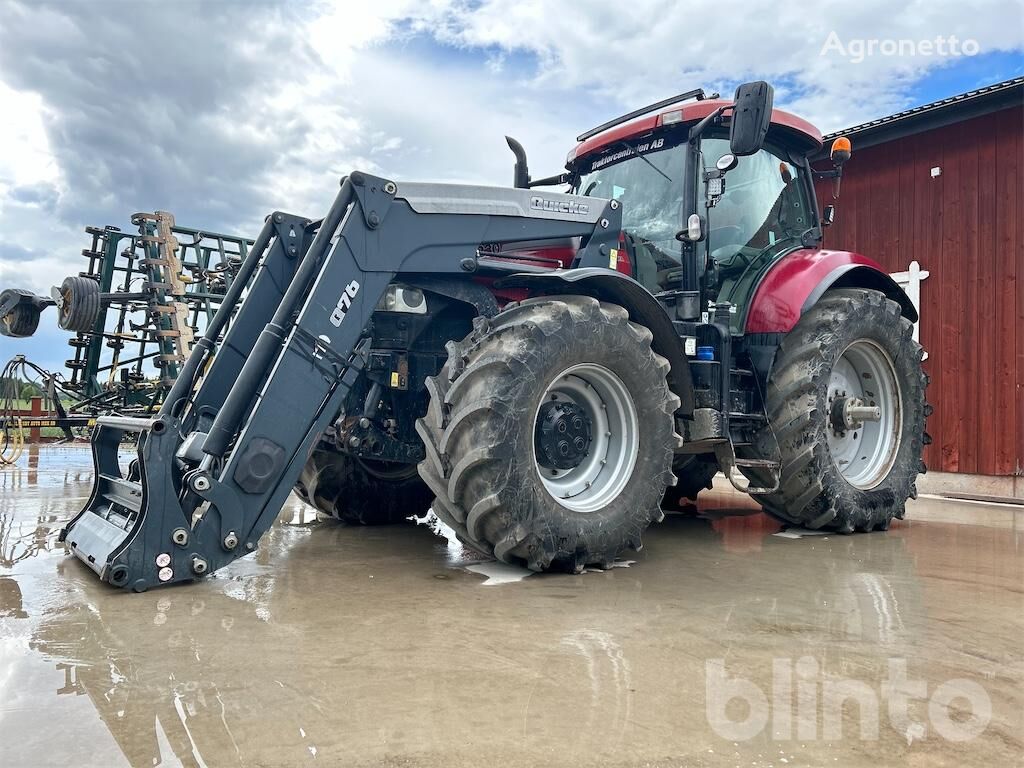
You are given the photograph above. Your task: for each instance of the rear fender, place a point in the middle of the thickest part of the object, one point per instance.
(643, 308)
(798, 281)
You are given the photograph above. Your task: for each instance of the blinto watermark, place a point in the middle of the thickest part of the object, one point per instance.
(859, 49)
(800, 707)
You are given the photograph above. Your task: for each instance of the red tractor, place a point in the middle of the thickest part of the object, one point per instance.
(548, 370)
(802, 357)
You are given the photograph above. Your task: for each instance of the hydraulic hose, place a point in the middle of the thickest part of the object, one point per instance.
(267, 346)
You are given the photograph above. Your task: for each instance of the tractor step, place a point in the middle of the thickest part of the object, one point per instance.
(731, 464)
(741, 482)
(758, 463)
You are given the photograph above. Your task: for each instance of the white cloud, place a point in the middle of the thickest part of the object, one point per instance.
(27, 159)
(269, 114)
(639, 51)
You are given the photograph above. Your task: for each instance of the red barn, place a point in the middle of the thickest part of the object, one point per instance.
(941, 185)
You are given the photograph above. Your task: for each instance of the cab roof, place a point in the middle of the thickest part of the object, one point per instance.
(686, 113)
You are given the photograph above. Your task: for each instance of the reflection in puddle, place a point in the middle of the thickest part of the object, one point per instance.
(499, 573)
(799, 533)
(325, 643)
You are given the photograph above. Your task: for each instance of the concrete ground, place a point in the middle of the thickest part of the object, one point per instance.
(724, 643)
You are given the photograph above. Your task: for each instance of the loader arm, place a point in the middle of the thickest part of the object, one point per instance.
(217, 463)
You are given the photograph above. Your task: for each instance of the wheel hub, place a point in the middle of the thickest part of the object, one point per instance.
(563, 435)
(601, 462)
(864, 416)
(851, 413)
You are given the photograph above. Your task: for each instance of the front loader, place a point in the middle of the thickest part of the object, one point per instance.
(546, 370)
(215, 465)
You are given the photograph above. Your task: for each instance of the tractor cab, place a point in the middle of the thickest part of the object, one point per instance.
(686, 191)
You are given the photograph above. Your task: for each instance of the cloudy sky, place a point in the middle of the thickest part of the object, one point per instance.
(222, 111)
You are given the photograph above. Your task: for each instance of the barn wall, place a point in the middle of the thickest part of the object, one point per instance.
(966, 227)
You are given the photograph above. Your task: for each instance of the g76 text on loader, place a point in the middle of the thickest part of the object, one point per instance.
(547, 370)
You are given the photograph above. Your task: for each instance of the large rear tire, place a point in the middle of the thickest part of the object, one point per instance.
(550, 434)
(362, 492)
(853, 349)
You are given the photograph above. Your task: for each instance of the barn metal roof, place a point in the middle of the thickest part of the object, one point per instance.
(964, 106)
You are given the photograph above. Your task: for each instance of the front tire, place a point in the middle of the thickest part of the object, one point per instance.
(550, 434)
(361, 492)
(852, 350)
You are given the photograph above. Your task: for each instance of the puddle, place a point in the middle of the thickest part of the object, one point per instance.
(503, 573)
(499, 573)
(616, 564)
(799, 533)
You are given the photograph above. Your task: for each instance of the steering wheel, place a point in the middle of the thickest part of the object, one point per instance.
(732, 233)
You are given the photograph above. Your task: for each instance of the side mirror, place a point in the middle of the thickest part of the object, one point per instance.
(828, 215)
(751, 116)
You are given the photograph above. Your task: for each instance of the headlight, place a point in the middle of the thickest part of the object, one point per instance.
(400, 298)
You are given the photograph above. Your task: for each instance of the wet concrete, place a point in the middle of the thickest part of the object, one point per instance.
(348, 646)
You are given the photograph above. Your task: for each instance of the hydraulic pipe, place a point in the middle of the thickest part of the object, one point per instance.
(267, 346)
(186, 378)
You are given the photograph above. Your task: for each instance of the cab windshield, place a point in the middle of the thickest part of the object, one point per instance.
(762, 213)
(650, 188)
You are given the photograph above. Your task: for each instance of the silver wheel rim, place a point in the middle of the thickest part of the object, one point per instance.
(610, 460)
(865, 454)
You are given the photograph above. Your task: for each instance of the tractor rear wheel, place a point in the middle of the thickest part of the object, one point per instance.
(694, 473)
(550, 434)
(846, 403)
(362, 492)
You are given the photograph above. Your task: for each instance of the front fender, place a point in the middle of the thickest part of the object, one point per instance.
(643, 308)
(799, 279)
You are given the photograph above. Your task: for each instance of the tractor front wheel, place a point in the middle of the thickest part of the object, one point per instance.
(362, 492)
(846, 405)
(550, 434)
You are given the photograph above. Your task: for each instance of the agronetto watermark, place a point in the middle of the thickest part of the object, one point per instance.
(803, 704)
(857, 50)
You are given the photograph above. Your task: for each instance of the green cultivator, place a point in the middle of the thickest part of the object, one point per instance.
(134, 310)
